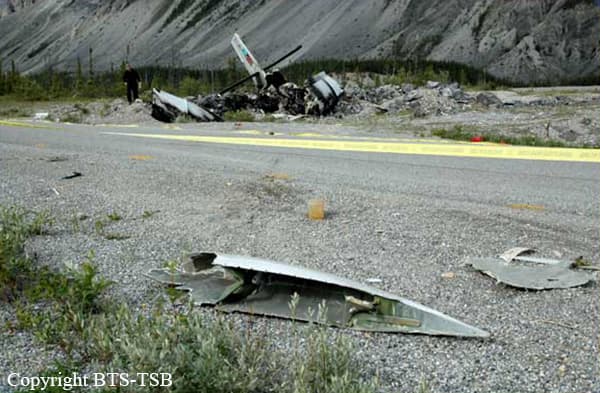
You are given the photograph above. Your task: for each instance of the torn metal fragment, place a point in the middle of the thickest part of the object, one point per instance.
(261, 287)
(327, 92)
(166, 107)
(522, 271)
(73, 176)
(512, 253)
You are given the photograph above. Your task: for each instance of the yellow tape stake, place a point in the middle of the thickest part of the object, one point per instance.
(458, 150)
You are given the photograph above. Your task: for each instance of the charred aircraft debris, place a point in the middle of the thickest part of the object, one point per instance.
(260, 287)
(318, 97)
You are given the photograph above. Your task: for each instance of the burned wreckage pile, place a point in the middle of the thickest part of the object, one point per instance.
(318, 97)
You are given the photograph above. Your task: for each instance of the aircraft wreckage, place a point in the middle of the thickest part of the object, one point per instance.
(261, 287)
(516, 268)
(319, 96)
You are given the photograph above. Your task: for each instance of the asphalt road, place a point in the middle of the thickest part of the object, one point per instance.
(403, 218)
(561, 187)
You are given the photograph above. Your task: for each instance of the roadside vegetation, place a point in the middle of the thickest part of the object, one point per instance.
(74, 312)
(464, 133)
(239, 116)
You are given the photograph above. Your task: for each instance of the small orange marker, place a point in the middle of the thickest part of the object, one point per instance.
(316, 209)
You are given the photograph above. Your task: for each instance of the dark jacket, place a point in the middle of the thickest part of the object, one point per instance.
(131, 77)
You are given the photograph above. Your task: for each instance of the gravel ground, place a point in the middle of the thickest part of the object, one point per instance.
(394, 220)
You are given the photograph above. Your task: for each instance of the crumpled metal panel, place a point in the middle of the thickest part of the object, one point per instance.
(170, 103)
(511, 254)
(515, 270)
(327, 90)
(274, 300)
(207, 287)
(266, 266)
(268, 288)
(433, 320)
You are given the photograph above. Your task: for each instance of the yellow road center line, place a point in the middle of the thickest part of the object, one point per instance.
(119, 125)
(462, 150)
(13, 123)
(140, 157)
(373, 138)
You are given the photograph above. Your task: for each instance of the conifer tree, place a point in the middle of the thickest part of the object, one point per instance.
(13, 78)
(2, 83)
(91, 64)
(91, 88)
(78, 77)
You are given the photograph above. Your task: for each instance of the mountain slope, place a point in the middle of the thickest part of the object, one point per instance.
(521, 40)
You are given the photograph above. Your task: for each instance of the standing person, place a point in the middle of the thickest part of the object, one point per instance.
(132, 80)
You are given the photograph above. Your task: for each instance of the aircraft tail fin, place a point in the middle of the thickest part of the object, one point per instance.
(249, 61)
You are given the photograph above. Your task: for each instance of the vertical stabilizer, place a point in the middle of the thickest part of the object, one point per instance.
(249, 61)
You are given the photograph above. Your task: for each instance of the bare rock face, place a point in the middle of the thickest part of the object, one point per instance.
(12, 6)
(6, 7)
(518, 40)
(521, 40)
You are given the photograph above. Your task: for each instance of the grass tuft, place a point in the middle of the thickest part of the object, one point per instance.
(116, 236)
(114, 216)
(239, 116)
(149, 213)
(16, 226)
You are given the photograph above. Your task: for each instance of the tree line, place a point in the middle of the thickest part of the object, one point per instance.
(87, 83)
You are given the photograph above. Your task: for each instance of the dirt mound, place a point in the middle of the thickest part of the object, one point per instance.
(117, 111)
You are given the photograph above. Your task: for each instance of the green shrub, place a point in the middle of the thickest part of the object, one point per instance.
(239, 116)
(16, 271)
(72, 118)
(324, 364)
(190, 87)
(461, 133)
(30, 90)
(457, 133)
(14, 112)
(114, 216)
(149, 213)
